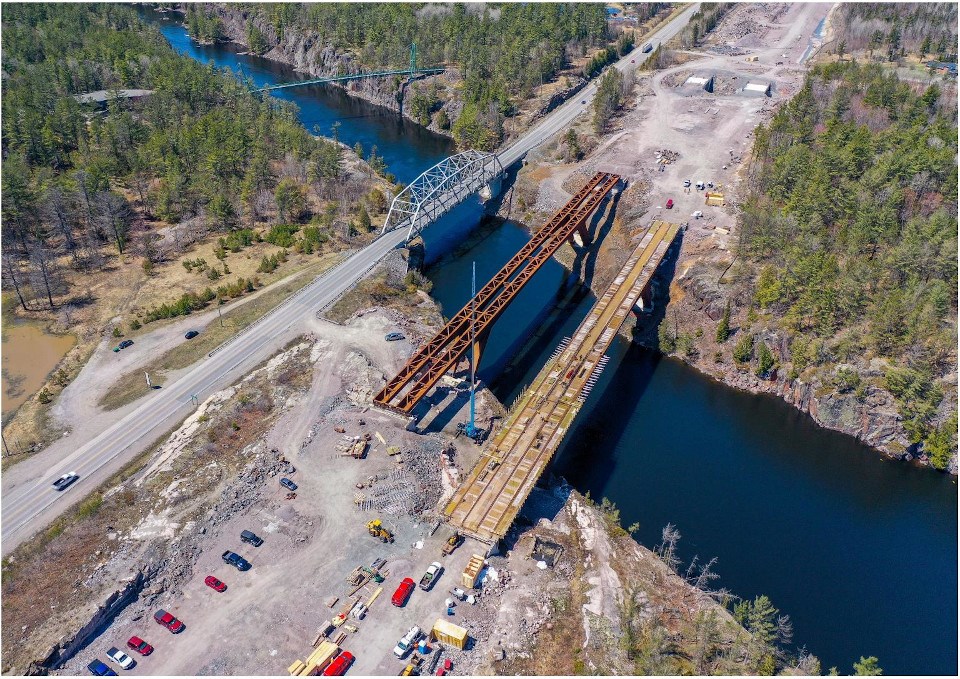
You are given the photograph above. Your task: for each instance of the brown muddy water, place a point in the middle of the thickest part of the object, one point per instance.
(29, 354)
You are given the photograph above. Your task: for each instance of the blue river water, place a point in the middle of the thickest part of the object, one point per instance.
(859, 551)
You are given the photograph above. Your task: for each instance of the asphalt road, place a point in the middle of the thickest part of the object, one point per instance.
(32, 505)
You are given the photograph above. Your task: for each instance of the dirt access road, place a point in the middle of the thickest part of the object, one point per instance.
(29, 505)
(711, 133)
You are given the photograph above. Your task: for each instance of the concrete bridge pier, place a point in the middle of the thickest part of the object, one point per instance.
(645, 305)
(493, 188)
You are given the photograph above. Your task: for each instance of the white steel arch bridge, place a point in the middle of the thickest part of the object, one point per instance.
(441, 188)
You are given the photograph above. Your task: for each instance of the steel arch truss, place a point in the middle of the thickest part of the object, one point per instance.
(439, 189)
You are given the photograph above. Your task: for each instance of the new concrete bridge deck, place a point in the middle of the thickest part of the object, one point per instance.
(487, 502)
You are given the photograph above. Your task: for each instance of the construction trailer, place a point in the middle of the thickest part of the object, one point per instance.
(448, 633)
(471, 574)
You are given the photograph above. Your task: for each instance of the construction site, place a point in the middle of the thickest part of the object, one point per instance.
(332, 459)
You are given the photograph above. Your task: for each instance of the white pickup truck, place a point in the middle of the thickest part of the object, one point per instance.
(431, 576)
(407, 642)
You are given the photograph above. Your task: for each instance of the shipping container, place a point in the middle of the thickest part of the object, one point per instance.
(448, 633)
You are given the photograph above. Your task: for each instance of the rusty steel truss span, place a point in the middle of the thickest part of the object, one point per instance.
(441, 188)
(487, 502)
(447, 347)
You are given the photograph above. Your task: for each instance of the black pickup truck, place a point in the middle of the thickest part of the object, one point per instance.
(236, 561)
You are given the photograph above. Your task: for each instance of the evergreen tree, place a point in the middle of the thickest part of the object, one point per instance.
(765, 361)
(723, 328)
(867, 667)
(743, 351)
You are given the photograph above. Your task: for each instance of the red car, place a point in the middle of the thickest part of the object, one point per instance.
(670, 204)
(211, 581)
(403, 592)
(139, 645)
(339, 665)
(168, 621)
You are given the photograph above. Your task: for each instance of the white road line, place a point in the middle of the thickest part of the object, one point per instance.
(155, 416)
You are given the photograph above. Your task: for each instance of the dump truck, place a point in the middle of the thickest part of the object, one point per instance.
(377, 530)
(472, 572)
(452, 543)
(448, 633)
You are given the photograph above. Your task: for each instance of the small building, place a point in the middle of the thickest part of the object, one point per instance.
(448, 633)
(758, 89)
(700, 82)
(101, 97)
(943, 67)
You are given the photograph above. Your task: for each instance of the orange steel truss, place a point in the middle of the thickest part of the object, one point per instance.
(447, 347)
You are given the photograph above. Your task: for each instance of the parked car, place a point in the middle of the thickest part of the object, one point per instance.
(167, 620)
(403, 592)
(686, 183)
(125, 343)
(394, 336)
(98, 668)
(236, 561)
(339, 665)
(64, 481)
(250, 538)
(697, 214)
(139, 645)
(670, 203)
(191, 334)
(430, 578)
(407, 642)
(213, 583)
(121, 658)
(288, 484)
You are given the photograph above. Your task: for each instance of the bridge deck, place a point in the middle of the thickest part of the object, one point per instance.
(438, 356)
(488, 501)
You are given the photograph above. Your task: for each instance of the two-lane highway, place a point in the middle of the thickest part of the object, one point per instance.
(32, 504)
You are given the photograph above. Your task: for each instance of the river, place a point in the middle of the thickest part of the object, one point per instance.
(859, 551)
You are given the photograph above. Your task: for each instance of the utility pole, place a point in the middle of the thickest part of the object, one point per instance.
(6, 448)
(471, 430)
(219, 312)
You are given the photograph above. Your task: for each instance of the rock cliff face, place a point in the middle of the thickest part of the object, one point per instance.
(307, 55)
(869, 414)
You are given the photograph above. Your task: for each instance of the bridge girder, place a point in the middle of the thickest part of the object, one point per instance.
(439, 189)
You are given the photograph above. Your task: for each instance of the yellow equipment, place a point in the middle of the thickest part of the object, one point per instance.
(452, 543)
(448, 633)
(377, 530)
(472, 572)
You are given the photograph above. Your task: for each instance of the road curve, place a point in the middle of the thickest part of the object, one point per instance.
(26, 508)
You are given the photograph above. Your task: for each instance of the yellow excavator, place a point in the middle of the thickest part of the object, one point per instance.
(377, 530)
